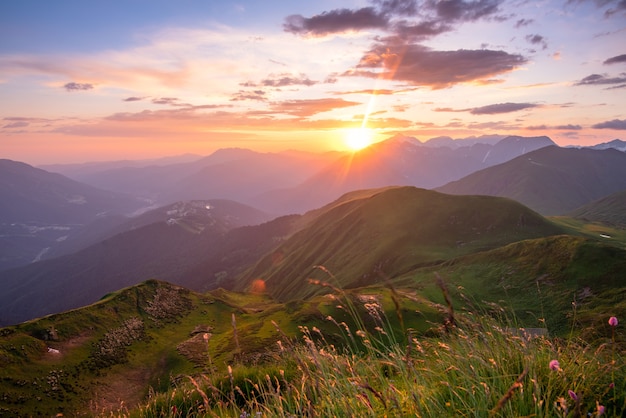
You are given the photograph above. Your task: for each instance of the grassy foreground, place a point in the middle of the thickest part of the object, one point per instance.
(472, 365)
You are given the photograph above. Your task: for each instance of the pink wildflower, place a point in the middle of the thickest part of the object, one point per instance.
(613, 321)
(601, 410)
(573, 395)
(554, 365)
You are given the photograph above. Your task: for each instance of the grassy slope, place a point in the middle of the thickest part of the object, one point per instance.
(539, 280)
(391, 232)
(36, 382)
(610, 210)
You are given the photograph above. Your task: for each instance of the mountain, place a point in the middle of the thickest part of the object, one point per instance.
(609, 210)
(29, 194)
(77, 170)
(201, 213)
(381, 252)
(161, 244)
(232, 173)
(617, 144)
(244, 177)
(38, 209)
(388, 232)
(550, 180)
(398, 161)
(446, 141)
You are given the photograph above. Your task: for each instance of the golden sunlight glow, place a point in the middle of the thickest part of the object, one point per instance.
(358, 138)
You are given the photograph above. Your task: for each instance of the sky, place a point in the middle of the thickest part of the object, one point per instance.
(107, 80)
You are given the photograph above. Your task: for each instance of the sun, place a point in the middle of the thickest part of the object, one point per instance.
(358, 138)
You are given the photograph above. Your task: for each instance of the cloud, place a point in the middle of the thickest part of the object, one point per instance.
(133, 99)
(433, 17)
(77, 86)
(282, 80)
(421, 30)
(501, 108)
(23, 122)
(612, 124)
(602, 79)
(615, 6)
(493, 109)
(172, 101)
(537, 40)
(20, 124)
(241, 95)
(375, 92)
(422, 66)
(616, 59)
(523, 22)
(335, 21)
(557, 127)
(397, 7)
(466, 11)
(310, 107)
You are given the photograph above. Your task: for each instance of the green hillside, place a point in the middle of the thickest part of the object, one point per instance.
(149, 337)
(610, 210)
(411, 288)
(550, 180)
(538, 280)
(390, 232)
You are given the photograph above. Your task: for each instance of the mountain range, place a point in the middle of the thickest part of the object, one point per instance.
(142, 293)
(106, 248)
(551, 180)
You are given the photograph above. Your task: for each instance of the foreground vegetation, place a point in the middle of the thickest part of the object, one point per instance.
(471, 365)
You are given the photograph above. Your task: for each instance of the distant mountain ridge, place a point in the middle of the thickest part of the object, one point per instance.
(39, 209)
(551, 180)
(163, 244)
(396, 162)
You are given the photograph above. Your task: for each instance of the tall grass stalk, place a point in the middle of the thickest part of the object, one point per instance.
(470, 365)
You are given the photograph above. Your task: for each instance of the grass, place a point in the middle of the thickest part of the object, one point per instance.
(477, 365)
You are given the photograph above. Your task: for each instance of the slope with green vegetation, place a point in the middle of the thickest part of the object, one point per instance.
(551, 180)
(390, 232)
(540, 280)
(149, 337)
(416, 309)
(610, 210)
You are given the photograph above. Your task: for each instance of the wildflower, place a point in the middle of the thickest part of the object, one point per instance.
(554, 365)
(573, 395)
(599, 409)
(613, 321)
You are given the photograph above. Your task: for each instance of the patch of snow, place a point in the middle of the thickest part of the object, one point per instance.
(53, 350)
(77, 200)
(486, 156)
(605, 236)
(41, 254)
(63, 238)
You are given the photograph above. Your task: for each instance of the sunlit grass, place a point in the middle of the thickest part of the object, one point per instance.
(476, 365)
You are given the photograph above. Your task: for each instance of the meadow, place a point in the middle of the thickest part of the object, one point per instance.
(471, 364)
